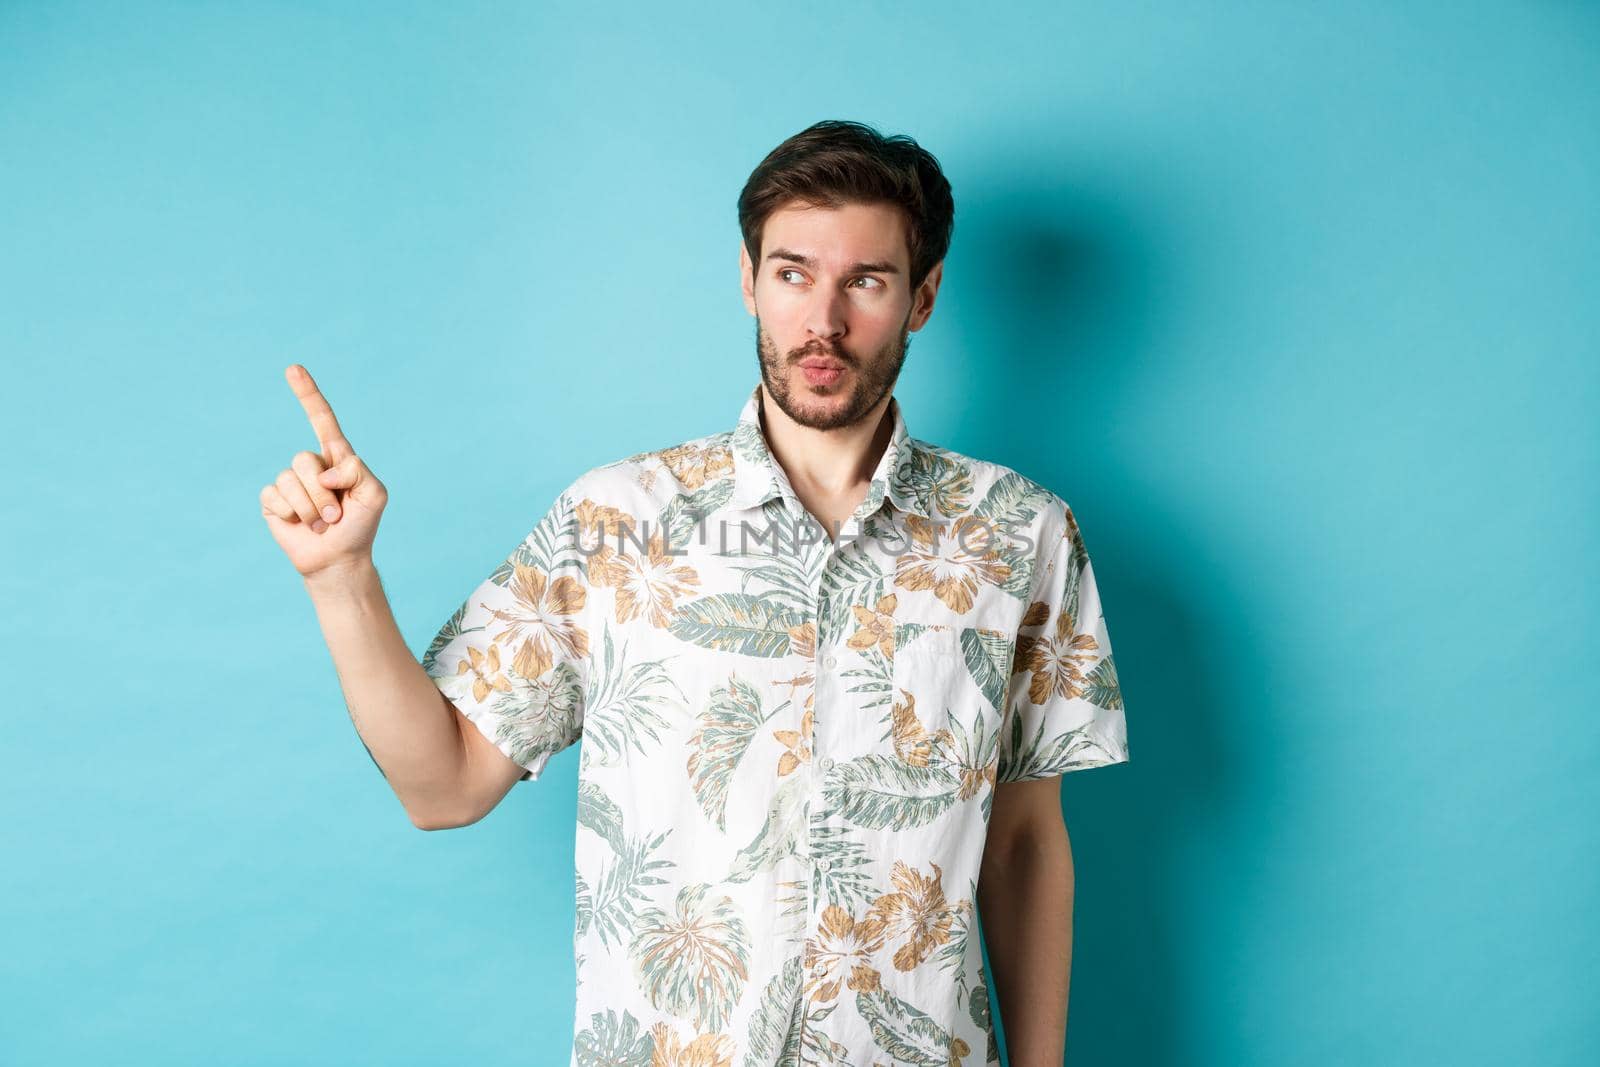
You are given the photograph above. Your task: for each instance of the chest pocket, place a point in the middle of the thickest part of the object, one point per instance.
(949, 690)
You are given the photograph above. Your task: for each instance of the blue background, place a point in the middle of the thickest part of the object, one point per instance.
(1295, 305)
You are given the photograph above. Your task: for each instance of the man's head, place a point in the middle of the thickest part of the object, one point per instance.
(845, 233)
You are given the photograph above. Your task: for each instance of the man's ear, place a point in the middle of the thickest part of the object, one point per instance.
(922, 303)
(747, 279)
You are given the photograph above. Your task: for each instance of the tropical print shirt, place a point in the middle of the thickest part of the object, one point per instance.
(790, 743)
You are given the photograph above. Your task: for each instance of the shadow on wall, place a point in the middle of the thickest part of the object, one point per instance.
(1065, 299)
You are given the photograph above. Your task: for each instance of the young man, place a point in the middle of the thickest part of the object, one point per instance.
(826, 676)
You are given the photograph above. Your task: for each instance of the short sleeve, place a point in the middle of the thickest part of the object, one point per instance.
(1064, 706)
(514, 656)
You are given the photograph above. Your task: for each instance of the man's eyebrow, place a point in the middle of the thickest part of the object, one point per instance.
(855, 268)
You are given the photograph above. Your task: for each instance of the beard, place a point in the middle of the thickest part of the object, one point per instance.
(869, 379)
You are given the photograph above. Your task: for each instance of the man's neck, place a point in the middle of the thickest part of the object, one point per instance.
(830, 470)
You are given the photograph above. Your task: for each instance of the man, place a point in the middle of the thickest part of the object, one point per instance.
(826, 676)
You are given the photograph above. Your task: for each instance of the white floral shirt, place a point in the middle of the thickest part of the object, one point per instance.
(790, 743)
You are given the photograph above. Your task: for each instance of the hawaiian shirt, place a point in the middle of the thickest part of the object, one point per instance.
(791, 740)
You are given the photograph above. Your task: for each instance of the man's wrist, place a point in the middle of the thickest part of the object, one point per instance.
(342, 579)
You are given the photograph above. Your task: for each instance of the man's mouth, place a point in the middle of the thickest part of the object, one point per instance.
(820, 370)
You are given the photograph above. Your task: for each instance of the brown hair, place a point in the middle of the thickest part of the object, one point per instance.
(832, 163)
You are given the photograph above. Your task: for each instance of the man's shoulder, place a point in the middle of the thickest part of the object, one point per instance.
(655, 476)
(961, 484)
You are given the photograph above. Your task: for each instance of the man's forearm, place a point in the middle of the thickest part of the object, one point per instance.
(1025, 902)
(407, 725)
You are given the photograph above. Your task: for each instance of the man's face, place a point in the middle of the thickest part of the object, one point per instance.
(834, 309)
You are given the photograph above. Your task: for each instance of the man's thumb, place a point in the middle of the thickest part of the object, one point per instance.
(349, 474)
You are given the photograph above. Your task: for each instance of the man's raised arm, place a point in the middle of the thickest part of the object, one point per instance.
(323, 511)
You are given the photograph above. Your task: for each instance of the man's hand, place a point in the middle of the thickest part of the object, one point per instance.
(323, 510)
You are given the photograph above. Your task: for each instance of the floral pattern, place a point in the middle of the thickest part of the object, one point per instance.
(791, 738)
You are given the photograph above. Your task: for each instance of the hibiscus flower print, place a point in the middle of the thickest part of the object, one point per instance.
(953, 566)
(839, 954)
(542, 620)
(917, 911)
(876, 626)
(648, 584)
(1057, 661)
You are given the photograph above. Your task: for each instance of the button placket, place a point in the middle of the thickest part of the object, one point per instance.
(826, 663)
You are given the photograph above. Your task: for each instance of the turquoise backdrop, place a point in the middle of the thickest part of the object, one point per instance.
(1294, 303)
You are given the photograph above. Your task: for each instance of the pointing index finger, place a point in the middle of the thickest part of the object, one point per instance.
(332, 439)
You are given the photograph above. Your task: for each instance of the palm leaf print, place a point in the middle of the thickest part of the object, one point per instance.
(582, 905)
(686, 510)
(978, 1002)
(783, 1029)
(1069, 592)
(1035, 759)
(694, 960)
(875, 681)
(601, 814)
(782, 573)
(938, 476)
(1080, 552)
(774, 1035)
(1101, 688)
(541, 716)
(792, 904)
(1013, 500)
(1022, 562)
(816, 1047)
(951, 956)
(846, 881)
(907, 632)
(785, 548)
(779, 837)
(978, 1010)
(736, 622)
(622, 709)
(624, 887)
(853, 579)
(551, 547)
(726, 728)
(972, 757)
(988, 656)
(447, 633)
(967, 924)
(907, 1033)
(610, 1042)
(1011, 503)
(883, 792)
(747, 443)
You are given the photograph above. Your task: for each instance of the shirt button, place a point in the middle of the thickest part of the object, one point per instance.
(824, 865)
(827, 764)
(831, 662)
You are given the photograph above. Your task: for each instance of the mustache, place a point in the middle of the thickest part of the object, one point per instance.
(817, 350)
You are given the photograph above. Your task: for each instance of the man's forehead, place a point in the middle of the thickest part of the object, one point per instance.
(846, 236)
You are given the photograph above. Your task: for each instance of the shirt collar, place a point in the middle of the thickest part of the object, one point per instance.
(757, 476)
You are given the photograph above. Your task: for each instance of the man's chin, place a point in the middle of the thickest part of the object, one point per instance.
(828, 397)
(823, 412)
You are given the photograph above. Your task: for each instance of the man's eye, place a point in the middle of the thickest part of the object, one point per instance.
(876, 282)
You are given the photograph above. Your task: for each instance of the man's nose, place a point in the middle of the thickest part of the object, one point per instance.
(825, 317)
